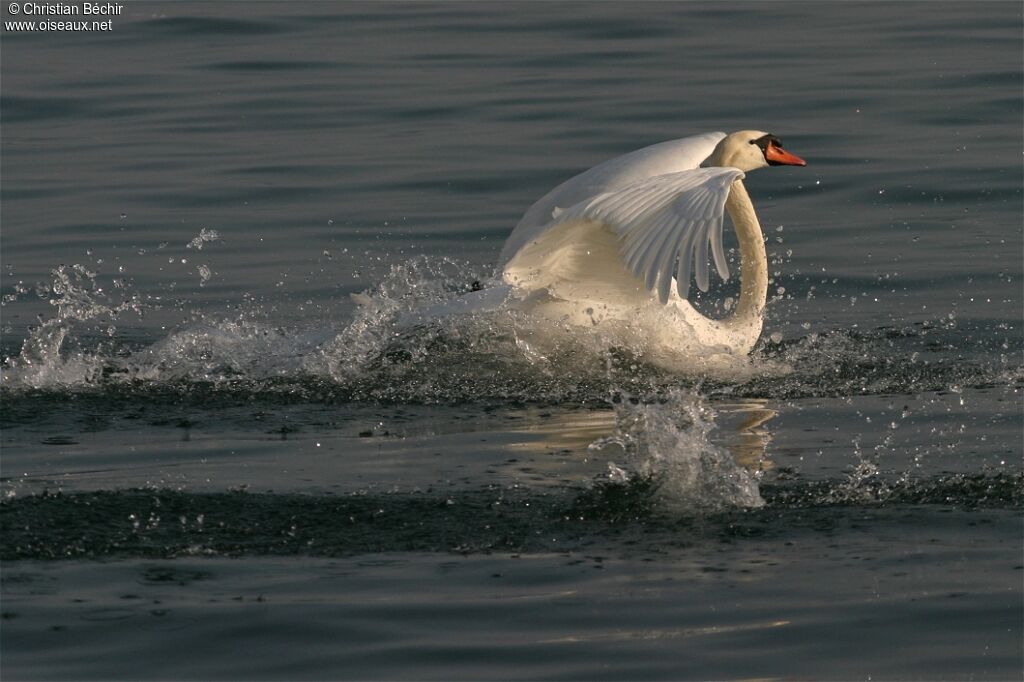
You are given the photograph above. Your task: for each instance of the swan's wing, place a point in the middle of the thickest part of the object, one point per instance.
(672, 156)
(665, 225)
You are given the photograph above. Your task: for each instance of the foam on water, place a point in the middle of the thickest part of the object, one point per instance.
(375, 355)
(663, 427)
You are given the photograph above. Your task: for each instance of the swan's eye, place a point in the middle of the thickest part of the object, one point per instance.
(766, 141)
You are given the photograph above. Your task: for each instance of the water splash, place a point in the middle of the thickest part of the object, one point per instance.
(375, 356)
(44, 360)
(374, 328)
(668, 442)
(220, 351)
(389, 352)
(205, 236)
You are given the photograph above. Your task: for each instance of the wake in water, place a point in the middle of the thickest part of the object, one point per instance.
(173, 523)
(377, 355)
(663, 423)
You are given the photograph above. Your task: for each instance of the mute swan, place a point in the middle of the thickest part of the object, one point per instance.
(612, 249)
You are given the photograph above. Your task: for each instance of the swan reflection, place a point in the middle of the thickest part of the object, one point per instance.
(739, 427)
(748, 440)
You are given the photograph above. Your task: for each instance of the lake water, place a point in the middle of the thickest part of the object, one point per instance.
(216, 466)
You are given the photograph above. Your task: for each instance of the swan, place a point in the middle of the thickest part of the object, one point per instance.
(613, 250)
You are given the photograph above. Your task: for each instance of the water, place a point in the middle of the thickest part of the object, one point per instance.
(209, 446)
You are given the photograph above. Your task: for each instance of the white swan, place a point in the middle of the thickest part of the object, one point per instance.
(613, 248)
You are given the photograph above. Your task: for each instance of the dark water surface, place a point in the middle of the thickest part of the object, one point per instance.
(216, 465)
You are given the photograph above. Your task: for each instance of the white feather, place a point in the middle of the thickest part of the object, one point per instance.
(658, 159)
(665, 220)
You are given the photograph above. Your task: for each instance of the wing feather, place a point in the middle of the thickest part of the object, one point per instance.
(612, 175)
(700, 260)
(667, 224)
(666, 265)
(648, 245)
(685, 266)
(653, 262)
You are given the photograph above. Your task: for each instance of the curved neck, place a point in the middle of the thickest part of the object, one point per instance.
(753, 260)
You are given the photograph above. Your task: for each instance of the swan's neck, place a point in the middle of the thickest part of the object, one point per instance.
(753, 261)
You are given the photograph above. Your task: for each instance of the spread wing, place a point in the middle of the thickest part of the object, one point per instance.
(672, 156)
(665, 225)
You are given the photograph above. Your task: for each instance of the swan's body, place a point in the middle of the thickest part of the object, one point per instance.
(612, 250)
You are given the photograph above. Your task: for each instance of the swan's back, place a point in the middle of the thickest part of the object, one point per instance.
(665, 157)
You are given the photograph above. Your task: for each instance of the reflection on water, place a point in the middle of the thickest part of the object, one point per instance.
(704, 454)
(748, 441)
(574, 431)
(567, 430)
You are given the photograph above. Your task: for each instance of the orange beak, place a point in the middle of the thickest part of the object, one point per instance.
(777, 156)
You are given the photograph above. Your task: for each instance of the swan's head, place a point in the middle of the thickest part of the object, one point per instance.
(749, 150)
